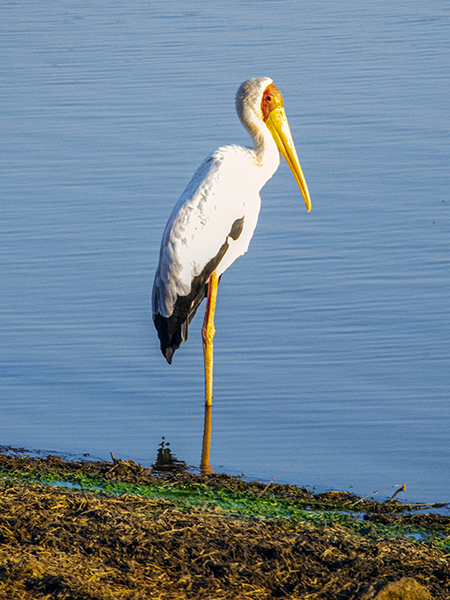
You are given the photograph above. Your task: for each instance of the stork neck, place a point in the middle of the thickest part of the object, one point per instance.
(266, 153)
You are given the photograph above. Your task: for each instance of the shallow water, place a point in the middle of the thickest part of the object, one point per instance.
(333, 332)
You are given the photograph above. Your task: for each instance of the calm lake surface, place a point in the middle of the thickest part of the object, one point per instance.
(333, 331)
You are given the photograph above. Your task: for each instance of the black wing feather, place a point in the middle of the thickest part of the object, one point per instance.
(174, 330)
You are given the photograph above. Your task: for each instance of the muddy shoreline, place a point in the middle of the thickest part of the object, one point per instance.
(104, 530)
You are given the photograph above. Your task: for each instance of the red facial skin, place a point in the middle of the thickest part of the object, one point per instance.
(271, 99)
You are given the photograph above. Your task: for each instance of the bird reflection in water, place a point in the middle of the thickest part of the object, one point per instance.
(205, 467)
(167, 462)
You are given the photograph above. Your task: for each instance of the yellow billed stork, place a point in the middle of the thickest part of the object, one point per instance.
(214, 219)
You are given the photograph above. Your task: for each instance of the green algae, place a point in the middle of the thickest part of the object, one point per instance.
(243, 503)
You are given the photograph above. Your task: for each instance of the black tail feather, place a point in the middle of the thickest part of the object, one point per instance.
(174, 330)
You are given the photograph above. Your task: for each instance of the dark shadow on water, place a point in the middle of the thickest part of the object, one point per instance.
(167, 462)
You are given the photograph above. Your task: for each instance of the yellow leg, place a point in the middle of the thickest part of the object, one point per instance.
(208, 332)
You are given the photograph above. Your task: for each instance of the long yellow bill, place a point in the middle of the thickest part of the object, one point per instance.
(278, 126)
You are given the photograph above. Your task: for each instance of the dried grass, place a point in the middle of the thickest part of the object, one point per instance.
(64, 544)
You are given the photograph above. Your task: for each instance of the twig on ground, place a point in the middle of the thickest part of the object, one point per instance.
(276, 477)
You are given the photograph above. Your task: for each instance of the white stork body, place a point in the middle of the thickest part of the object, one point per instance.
(213, 221)
(224, 188)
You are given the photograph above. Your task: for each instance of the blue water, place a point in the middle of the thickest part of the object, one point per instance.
(333, 331)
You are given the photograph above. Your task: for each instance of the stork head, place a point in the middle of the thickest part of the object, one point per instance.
(259, 103)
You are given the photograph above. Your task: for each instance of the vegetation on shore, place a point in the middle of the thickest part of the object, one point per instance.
(104, 530)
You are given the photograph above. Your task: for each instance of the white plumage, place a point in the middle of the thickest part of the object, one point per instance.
(213, 221)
